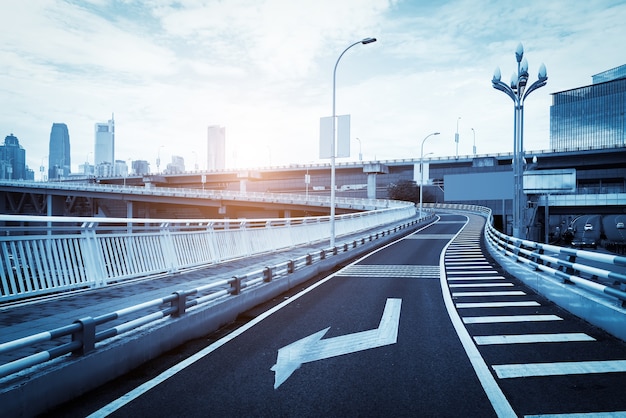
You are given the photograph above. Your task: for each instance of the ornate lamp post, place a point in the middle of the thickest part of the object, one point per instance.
(334, 151)
(518, 92)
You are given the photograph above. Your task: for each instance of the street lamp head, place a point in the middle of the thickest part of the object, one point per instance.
(524, 67)
(519, 52)
(435, 133)
(514, 81)
(368, 41)
(543, 73)
(496, 75)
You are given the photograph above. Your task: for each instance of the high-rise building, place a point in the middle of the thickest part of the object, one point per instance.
(59, 163)
(591, 116)
(104, 152)
(216, 148)
(141, 167)
(177, 165)
(13, 160)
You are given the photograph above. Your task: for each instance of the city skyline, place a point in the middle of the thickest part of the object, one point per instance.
(263, 70)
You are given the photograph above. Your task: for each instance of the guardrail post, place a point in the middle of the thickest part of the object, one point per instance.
(322, 255)
(179, 303)
(345, 247)
(308, 259)
(335, 250)
(291, 266)
(267, 274)
(354, 244)
(236, 285)
(571, 259)
(86, 335)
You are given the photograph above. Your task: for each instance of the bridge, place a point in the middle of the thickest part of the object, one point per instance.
(599, 189)
(190, 311)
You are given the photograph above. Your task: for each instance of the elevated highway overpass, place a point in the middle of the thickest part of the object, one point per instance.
(600, 189)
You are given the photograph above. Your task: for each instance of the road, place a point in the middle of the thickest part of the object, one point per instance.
(395, 334)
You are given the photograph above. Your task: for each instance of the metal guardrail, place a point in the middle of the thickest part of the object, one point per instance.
(47, 254)
(583, 268)
(286, 198)
(567, 264)
(84, 332)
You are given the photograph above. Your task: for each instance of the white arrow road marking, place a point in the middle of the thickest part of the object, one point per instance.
(313, 348)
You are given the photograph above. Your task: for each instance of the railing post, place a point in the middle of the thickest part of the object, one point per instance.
(236, 285)
(179, 303)
(291, 266)
(86, 335)
(308, 260)
(267, 274)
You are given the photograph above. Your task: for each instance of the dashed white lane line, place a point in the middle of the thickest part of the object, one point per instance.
(509, 318)
(509, 371)
(453, 279)
(533, 338)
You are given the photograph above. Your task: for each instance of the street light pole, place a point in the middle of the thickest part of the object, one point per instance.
(422, 169)
(518, 92)
(474, 146)
(456, 137)
(360, 153)
(364, 41)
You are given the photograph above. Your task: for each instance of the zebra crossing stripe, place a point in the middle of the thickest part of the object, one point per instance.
(508, 371)
(533, 338)
(503, 293)
(510, 318)
(454, 279)
(481, 284)
(527, 303)
(388, 270)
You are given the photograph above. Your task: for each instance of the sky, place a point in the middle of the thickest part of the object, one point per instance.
(263, 69)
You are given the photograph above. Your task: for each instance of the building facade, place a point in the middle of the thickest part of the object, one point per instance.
(216, 148)
(592, 116)
(13, 161)
(104, 152)
(59, 163)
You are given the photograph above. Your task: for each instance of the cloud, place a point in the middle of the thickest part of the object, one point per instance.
(263, 69)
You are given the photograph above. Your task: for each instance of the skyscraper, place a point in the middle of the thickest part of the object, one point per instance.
(590, 116)
(59, 164)
(216, 148)
(13, 160)
(104, 152)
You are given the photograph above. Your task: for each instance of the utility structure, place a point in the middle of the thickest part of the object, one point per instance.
(364, 41)
(518, 91)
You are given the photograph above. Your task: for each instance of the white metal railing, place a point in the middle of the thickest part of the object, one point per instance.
(45, 254)
(87, 331)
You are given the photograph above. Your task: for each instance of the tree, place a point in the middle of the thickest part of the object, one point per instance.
(406, 190)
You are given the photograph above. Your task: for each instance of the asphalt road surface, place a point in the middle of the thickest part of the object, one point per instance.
(398, 334)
